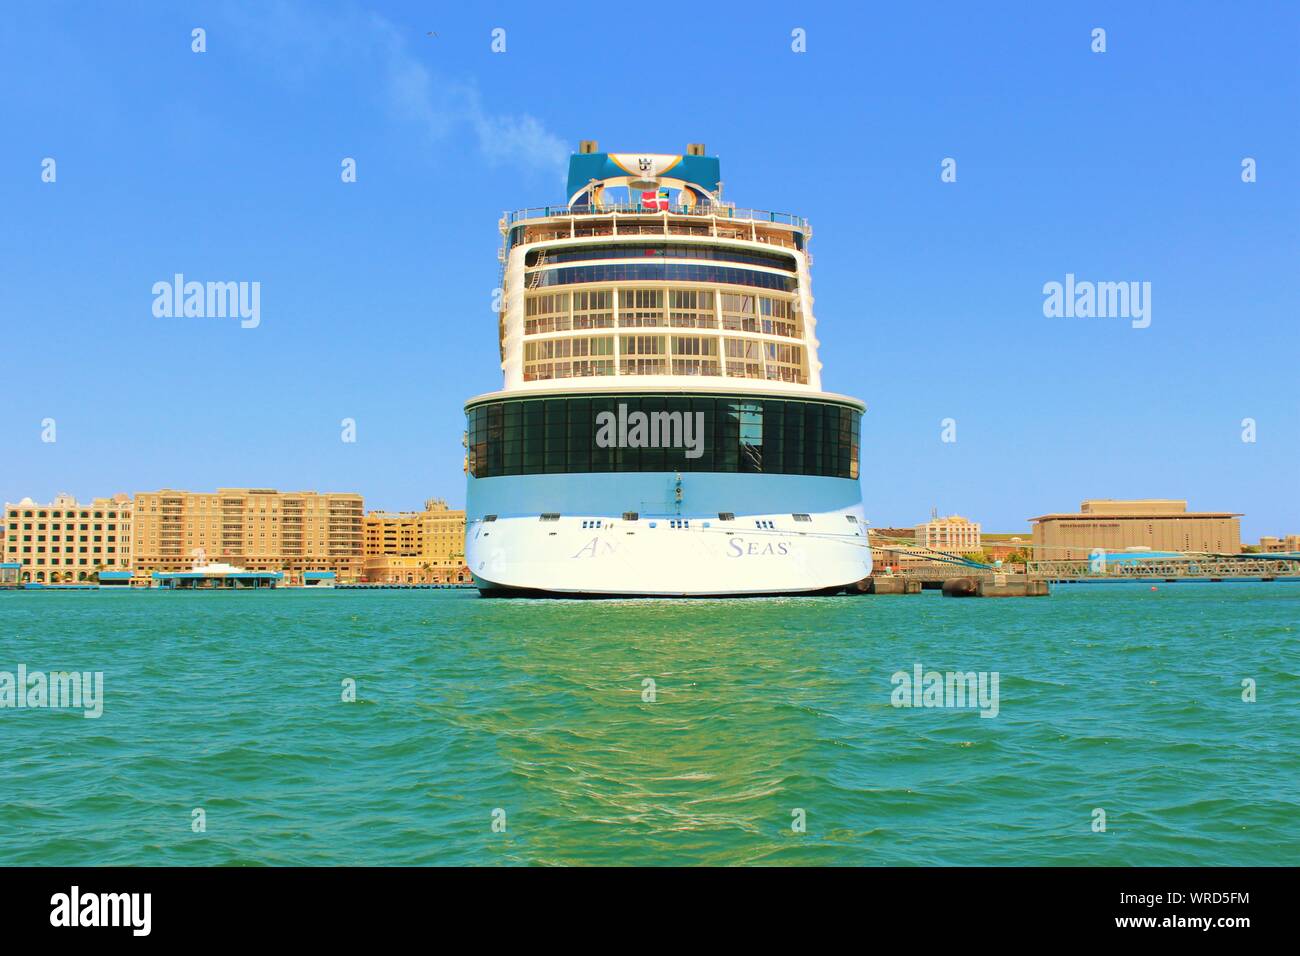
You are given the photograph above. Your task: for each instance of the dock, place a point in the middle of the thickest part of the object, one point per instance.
(403, 587)
(996, 586)
(954, 581)
(887, 584)
(1035, 578)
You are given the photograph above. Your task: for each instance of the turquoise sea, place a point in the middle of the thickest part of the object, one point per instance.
(532, 714)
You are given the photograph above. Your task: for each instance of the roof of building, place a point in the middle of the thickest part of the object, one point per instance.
(196, 575)
(1135, 516)
(1134, 505)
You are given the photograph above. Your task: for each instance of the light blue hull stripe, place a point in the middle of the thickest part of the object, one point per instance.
(654, 493)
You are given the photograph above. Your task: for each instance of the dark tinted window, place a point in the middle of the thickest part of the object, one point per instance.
(664, 271)
(652, 251)
(600, 434)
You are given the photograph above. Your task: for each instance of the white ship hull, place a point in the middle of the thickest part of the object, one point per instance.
(620, 534)
(601, 556)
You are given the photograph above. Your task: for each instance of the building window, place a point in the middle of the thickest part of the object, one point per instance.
(744, 358)
(691, 309)
(587, 253)
(695, 355)
(738, 312)
(593, 309)
(642, 355)
(546, 313)
(641, 308)
(537, 436)
(663, 272)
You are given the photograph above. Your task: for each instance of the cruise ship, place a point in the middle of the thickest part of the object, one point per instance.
(662, 430)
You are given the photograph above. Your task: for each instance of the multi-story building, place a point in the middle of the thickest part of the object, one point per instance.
(892, 552)
(1001, 547)
(1159, 524)
(258, 529)
(1286, 544)
(953, 533)
(416, 547)
(64, 541)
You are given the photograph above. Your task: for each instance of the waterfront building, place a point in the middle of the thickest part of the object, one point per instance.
(416, 547)
(1160, 524)
(890, 552)
(216, 577)
(953, 533)
(662, 428)
(67, 542)
(259, 528)
(1286, 544)
(1000, 547)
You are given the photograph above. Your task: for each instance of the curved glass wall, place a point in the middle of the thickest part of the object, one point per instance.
(643, 251)
(625, 433)
(660, 272)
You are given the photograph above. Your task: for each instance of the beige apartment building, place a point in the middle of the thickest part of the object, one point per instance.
(1272, 545)
(889, 553)
(953, 533)
(257, 529)
(66, 542)
(416, 547)
(1160, 524)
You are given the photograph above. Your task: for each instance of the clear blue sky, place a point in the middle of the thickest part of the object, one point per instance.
(376, 296)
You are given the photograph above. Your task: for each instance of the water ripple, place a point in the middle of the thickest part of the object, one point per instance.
(764, 714)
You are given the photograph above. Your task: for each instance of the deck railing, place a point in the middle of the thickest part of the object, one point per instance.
(635, 209)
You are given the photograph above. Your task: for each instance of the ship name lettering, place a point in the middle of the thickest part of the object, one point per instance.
(593, 549)
(740, 548)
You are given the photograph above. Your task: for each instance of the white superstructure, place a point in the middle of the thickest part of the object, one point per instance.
(662, 429)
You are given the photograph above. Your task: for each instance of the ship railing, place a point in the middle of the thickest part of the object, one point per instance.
(700, 210)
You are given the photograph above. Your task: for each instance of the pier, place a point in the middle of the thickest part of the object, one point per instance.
(995, 585)
(886, 584)
(954, 581)
(1035, 578)
(402, 587)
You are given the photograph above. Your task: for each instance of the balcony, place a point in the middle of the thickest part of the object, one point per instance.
(694, 212)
